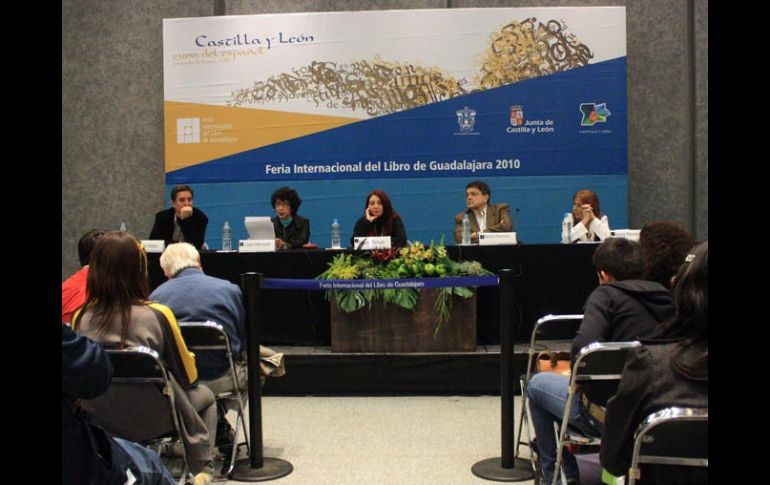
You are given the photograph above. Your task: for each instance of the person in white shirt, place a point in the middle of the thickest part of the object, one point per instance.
(586, 222)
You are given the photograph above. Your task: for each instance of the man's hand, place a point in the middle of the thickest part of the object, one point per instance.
(186, 212)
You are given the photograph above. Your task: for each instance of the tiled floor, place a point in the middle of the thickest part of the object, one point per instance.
(382, 440)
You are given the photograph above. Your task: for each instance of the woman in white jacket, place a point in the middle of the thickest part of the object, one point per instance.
(586, 222)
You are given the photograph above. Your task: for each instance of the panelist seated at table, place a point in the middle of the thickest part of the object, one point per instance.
(586, 222)
(484, 217)
(182, 222)
(292, 231)
(380, 219)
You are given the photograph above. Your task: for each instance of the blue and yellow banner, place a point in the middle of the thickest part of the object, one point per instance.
(499, 94)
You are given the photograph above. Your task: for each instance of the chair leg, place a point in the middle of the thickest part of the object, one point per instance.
(240, 423)
(242, 417)
(234, 450)
(523, 386)
(521, 418)
(527, 421)
(562, 435)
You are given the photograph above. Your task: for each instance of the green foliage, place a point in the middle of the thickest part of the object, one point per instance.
(350, 301)
(471, 268)
(416, 261)
(406, 298)
(443, 304)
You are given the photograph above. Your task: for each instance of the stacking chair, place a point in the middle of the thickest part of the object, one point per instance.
(211, 336)
(547, 328)
(599, 361)
(140, 376)
(671, 436)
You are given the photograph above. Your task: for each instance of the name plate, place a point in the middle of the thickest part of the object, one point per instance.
(256, 245)
(630, 234)
(497, 238)
(154, 245)
(371, 242)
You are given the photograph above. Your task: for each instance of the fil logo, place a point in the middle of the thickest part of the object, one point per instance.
(188, 130)
(517, 115)
(466, 118)
(593, 113)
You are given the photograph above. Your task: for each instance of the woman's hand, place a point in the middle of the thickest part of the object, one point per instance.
(369, 216)
(588, 214)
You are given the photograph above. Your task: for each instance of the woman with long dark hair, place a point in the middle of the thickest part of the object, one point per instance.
(671, 370)
(380, 219)
(117, 313)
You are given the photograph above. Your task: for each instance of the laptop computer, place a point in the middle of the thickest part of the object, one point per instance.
(259, 227)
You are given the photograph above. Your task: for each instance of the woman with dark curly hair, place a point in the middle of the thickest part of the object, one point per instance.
(380, 219)
(665, 244)
(291, 229)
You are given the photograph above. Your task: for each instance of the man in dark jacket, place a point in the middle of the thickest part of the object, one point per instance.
(622, 308)
(89, 454)
(182, 222)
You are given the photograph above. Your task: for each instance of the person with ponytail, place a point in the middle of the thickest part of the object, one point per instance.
(671, 370)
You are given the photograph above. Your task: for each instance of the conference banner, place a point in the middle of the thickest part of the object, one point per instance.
(498, 93)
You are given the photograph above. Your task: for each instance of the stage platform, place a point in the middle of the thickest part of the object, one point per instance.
(320, 372)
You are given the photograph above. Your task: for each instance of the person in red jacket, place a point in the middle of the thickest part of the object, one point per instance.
(73, 289)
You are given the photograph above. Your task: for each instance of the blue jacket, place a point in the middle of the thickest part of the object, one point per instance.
(86, 373)
(194, 296)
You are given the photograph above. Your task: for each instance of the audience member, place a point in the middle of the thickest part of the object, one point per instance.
(671, 370)
(196, 297)
(73, 289)
(665, 244)
(622, 308)
(484, 217)
(90, 454)
(291, 229)
(182, 222)
(380, 219)
(117, 313)
(586, 220)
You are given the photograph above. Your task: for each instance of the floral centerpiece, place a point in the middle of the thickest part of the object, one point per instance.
(413, 261)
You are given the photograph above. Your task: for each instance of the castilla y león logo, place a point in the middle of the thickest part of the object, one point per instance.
(593, 113)
(517, 115)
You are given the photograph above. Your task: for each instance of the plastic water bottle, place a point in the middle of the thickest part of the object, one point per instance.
(123, 227)
(567, 228)
(466, 230)
(336, 238)
(226, 238)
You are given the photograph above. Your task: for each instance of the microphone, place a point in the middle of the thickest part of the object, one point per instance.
(515, 223)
